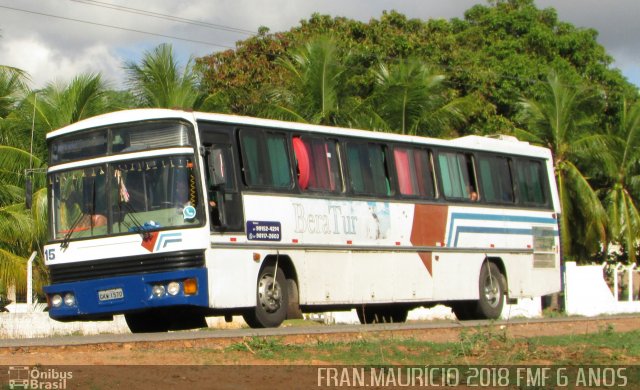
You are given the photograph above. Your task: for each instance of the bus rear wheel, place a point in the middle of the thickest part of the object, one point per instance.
(272, 300)
(492, 289)
(386, 314)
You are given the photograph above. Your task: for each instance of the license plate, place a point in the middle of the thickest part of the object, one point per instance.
(109, 295)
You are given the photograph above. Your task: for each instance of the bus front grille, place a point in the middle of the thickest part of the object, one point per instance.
(94, 269)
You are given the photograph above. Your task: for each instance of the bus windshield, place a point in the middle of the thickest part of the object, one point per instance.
(125, 197)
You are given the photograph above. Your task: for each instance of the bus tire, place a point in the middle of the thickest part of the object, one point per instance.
(147, 322)
(293, 312)
(272, 300)
(492, 285)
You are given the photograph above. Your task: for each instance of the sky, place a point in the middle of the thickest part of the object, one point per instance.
(55, 40)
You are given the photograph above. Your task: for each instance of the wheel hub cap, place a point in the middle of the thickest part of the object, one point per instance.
(269, 294)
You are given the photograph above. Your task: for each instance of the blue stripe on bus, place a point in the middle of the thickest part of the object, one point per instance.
(137, 293)
(488, 230)
(493, 230)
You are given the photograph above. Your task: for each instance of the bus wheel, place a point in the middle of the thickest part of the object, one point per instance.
(272, 300)
(294, 311)
(387, 314)
(492, 291)
(147, 322)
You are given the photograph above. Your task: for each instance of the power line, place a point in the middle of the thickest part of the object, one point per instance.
(117, 27)
(158, 15)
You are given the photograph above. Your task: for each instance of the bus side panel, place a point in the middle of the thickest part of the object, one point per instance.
(456, 275)
(232, 278)
(499, 231)
(343, 277)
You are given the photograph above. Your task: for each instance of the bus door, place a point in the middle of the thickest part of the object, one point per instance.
(225, 202)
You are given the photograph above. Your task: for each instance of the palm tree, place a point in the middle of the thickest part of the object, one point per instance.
(559, 119)
(60, 104)
(621, 169)
(21, 231)
(13, 85)
(410, 98)
(159, 80)
(316, 90)
(13, 88)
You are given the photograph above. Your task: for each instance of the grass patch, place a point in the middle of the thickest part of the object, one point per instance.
(474, 346)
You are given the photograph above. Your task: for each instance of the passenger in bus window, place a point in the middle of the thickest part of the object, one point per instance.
(473, 195)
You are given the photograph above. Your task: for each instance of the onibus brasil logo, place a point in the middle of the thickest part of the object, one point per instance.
(24, 377)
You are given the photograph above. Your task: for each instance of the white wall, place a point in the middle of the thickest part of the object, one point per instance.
(586, 294)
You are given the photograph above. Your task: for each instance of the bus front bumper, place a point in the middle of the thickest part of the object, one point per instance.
(104, 297)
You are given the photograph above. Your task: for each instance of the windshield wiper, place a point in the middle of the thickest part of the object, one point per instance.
(67, 237)
(137, 226)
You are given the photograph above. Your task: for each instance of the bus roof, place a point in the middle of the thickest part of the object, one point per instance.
(501, 143)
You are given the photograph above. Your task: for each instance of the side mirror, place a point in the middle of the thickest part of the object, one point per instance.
(216, 167)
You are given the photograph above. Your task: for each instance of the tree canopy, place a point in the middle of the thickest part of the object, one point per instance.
(496, 54)
(506, 67)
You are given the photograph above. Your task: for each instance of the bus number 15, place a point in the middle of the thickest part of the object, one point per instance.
(50, 254)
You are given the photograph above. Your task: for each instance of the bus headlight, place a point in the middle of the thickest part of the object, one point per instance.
(173, 288)
(158, 290)
(56, 300)
(69, 299)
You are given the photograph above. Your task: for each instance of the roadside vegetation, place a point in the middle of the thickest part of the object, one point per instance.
(475, 346)
(507, 67)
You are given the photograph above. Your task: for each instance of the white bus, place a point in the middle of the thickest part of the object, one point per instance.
(169, 216)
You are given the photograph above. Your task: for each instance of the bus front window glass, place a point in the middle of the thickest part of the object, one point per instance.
(154, 194)
(151, 135)
(77, 147)
(79, 203)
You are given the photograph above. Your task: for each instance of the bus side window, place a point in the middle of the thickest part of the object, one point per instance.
(457, 173)
(531, 178)
(265, 159)
(317, 163)
(224, 199)
(495, 176)
(368, 172)
(303, 163)
(414, 172)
